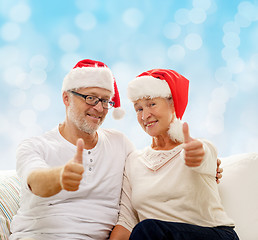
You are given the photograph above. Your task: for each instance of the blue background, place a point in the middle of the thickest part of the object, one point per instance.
(212, 43)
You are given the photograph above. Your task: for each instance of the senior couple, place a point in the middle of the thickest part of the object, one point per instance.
(72, 176)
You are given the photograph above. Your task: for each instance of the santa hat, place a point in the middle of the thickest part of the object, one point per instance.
(91, 73)
(163, 83)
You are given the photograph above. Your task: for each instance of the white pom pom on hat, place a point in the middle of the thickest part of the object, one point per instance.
(92, 73)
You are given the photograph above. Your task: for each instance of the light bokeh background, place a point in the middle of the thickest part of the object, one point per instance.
(212, 43)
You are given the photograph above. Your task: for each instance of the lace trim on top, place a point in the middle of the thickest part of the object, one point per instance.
(155, 159)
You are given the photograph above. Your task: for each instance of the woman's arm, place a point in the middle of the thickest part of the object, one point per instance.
(120, 233)
(128, 216)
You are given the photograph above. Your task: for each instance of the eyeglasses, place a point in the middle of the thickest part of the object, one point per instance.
(93, 100)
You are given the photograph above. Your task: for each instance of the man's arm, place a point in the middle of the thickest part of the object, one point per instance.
(45, 182)
(48, 182)
(219, 171)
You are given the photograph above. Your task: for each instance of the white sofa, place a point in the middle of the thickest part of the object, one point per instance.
(238, 189)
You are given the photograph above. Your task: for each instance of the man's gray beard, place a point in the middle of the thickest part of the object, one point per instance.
(80, 122)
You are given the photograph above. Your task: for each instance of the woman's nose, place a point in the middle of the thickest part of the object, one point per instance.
(145, 115)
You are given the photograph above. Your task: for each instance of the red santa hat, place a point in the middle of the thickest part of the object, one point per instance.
(91, 73)
(161, 83)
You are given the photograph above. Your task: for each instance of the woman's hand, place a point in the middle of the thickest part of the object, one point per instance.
(194, 151)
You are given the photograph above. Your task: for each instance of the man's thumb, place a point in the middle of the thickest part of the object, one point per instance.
(80, 146)
(187, 137)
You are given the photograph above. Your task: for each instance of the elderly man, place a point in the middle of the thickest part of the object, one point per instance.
(71, 176)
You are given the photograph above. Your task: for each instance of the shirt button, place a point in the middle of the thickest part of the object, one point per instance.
(91, 160)
(89, 152)
(90, 169)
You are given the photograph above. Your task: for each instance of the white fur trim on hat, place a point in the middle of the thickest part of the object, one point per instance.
(89, 77)
(147, 86)
(175, 130)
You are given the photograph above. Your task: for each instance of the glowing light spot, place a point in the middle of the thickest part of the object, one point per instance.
(8, 55)
(231, 87)
(231, 27)
(41, 102)
(217, 107)
(69, 42)
(247, 81)
(229, 53)
(236, 65)
(248, 10)
(223, 75)
(17, 98)
(242, 21)
(23, 81)
(133, 17)
(38, 61)
(231, 39)
(197, 15)
(220, 95)
(215, 124)
(37, 76)
(68, 60)
(193, 41)
(204, 4)
(10, 31)
(172, 30)
(85, 21)
(20, 12)
(176, 52)
(86, 5)
(182, 16)
(12, 75)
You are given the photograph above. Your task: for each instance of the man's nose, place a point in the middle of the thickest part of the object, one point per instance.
(99, 107)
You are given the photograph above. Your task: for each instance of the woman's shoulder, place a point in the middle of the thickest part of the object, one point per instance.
(135, 156)
(139, 152)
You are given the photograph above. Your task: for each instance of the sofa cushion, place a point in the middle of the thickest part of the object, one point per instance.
(9, 200)
(239, 193)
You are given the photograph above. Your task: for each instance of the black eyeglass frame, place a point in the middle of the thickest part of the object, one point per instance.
(97, 100)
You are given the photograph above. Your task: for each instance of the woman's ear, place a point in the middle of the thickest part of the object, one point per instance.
(171, 105)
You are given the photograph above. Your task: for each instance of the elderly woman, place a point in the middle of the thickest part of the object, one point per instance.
(169, 189)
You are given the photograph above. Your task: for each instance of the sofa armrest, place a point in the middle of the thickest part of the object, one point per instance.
(9, 200)
(239, 192)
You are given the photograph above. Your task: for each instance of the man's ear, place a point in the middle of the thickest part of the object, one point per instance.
(66, 98)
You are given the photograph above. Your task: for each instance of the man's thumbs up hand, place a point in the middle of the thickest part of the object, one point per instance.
(194, 152)
(72, 172)
(78, 156)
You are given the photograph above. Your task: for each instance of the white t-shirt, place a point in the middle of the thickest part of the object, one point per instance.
(158, 185)
(89, 213)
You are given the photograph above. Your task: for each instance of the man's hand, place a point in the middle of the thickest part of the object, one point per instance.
(194, 152)
(72, 172)
(219, 171)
